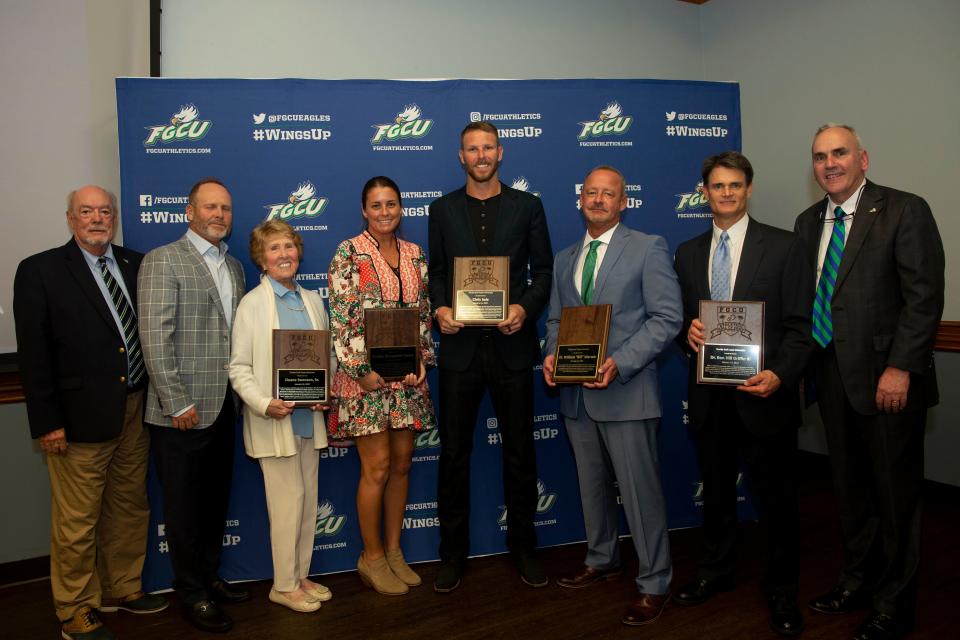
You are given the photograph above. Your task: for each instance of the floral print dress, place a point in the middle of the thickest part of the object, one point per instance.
(359, 278)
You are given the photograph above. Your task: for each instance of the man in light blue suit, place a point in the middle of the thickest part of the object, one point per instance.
(612, 424)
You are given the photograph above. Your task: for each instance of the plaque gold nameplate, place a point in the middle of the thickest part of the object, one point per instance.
(481, 289)
(582, 343)
(301, 361)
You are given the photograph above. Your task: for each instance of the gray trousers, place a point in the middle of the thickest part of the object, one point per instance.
(624, 453)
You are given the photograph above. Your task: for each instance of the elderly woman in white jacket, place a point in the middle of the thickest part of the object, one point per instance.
(284, 440)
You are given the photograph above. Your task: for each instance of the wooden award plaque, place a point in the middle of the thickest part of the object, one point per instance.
(393, 342)
(481, 289)
(733, 341)
(582, 343)
(301, 359)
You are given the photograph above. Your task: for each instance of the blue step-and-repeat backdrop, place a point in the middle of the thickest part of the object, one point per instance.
(300, 150)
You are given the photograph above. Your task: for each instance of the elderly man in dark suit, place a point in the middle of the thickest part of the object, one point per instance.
(755, 423)
(879, 299)
(189, 291)
(84, 379)
(488, 218)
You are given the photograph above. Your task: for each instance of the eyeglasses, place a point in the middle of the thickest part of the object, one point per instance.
(86, 212)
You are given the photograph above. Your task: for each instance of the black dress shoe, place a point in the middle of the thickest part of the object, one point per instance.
(702, 590)
(839, 600)
(226, 593)
(880, 626)
(531, 570)
(785, 618)
(207, 616)
(448, 577)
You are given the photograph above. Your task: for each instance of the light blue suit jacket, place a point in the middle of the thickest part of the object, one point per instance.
(637, 278)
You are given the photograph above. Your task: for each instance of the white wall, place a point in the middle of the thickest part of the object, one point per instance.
(889, 68)
(431, 39)
(58, 60)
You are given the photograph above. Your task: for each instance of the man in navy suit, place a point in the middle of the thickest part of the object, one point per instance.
(488, 218)
(84, 380)
(878, 252)
(754, 423)
(612, 424)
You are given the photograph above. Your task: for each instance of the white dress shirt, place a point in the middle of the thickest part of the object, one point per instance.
(849, 207)
(735, 236)
(604, 239)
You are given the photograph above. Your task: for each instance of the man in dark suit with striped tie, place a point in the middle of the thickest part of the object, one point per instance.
(84, 379)
(878, 304)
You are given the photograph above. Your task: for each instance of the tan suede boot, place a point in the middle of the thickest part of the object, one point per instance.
(379, 577)
(401, 569)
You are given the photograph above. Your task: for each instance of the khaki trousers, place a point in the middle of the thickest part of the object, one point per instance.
(99, 516)
(290, 485)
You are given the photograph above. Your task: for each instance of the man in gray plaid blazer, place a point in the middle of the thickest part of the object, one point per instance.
(189, 291)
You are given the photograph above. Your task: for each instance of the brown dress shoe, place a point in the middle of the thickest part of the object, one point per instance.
(645, 610)
(588, 576)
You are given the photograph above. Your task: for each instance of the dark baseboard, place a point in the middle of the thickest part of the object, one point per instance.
(24, 570)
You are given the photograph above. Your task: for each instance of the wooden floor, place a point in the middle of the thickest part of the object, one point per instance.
(493, 603)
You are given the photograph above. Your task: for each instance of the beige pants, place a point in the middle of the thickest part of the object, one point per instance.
(99, 516)
(291, 488)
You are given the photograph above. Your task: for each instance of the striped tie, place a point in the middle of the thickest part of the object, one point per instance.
(822, 314)
(129, 321)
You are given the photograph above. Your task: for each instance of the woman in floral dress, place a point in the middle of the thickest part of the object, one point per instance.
(378, 270)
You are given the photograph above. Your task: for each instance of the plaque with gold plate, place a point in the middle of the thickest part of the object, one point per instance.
(481, 289)
(582, 343)
(392, 337)
(301, 361)
(732, 350)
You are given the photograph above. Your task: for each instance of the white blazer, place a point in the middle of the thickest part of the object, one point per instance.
(251, 372)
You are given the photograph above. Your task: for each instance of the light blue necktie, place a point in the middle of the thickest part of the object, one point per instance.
(720, 271)
(822, 309)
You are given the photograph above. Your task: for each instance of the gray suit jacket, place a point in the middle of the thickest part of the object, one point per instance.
(889, 294)
(184, 332)
(637, 278)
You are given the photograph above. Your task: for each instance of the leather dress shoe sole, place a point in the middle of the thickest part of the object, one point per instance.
(702, 590)
(225, 593)
(645, 610)
(207, 616)
(588, 576)
(839, 601)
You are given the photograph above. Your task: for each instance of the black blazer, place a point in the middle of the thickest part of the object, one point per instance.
(773, 268)
(521, 234)
(888, 297)
(72, 355)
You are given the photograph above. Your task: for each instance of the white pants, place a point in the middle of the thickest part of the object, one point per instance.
(291, 488)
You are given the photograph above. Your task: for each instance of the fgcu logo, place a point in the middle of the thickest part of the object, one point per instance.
(611, 121)
(545, 502)
(693, 200)
(427, 440)
(328, 523)
(301, 203)
(407, 124)
(521, 184)
(183, 126)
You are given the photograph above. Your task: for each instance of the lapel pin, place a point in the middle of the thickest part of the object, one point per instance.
(874, 210)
